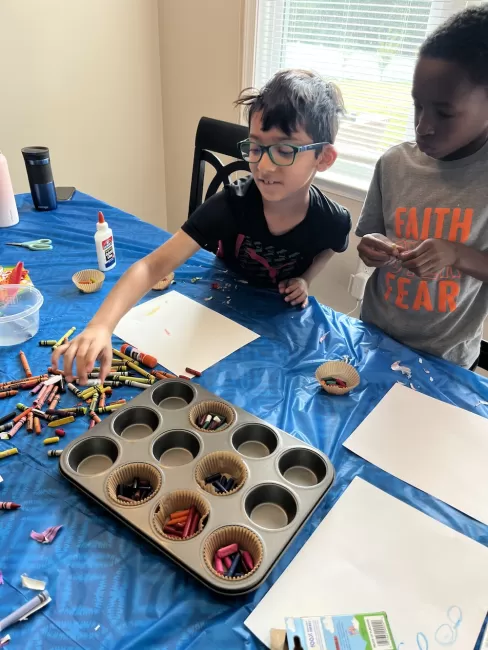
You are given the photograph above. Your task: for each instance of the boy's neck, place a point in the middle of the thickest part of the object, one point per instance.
(283, 216)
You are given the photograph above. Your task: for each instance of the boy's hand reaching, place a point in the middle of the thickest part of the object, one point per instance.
(95, 342)
(377, 250)
(430, 257)
(295, 290)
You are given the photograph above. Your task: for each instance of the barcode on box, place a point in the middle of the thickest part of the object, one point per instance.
(379, 635)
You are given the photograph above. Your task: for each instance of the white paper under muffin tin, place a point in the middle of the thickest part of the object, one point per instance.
(270, 478)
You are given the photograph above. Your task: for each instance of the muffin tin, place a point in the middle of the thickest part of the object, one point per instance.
(156, 437)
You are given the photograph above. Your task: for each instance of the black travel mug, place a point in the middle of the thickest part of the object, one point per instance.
(40, 175)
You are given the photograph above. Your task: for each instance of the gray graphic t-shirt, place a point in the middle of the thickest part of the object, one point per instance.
(412, 198)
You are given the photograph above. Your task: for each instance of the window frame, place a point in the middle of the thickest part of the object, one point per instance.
(350, 177)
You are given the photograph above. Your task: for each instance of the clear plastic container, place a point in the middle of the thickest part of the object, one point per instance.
(19, 313)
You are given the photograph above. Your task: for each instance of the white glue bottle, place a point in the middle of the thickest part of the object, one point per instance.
(9, 215)
(104, 241)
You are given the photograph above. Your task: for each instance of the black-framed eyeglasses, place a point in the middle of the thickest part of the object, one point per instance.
(281, 154)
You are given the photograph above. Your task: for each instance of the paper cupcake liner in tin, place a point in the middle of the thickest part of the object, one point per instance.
(218, 408)
(245, 538)
(222, 462)
(89, 280)
(341, 370)
(128, 473)
(174, 502)
(164, 282)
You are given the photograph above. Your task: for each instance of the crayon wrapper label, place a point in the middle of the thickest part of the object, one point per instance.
(356, 632)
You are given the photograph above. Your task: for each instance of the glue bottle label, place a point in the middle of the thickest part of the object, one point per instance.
(108, 251)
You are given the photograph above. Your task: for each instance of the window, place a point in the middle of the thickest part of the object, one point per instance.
(369, 48)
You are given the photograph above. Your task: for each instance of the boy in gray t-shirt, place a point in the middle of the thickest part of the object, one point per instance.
(424, 225)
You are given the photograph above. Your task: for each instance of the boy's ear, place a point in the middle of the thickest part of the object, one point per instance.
(327, 158)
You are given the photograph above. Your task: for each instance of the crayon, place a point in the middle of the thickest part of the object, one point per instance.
(41, 397)
(108, 409)
(6, 427)
(102, 401)
(37, 426)
(92, 424)
(140, 380)
(37, 388)
(227, 562)
(62, 339)
(60, 433)
(93, 404)
(126, 499)
(163, 375)
(53, 405)
(169, 530)
(74, 390)
(233, 568)
(51, 441)
(124, 356)
(25, 364)
(74, 410)
(8, 393)
(30, 422)
(47, 343)
(184, 377)
(247, 559)
(140, 371)
(8, 417)
(137, 355)
(62, 385)
(22, 384)
(54, 453)
(17, 426)
(88, 392)
(227, 550)
(195, 373)
(135, 384)
(58, 423)
(95, 417)
(24, 412)
(9, 452)
(9, 505)
(179, 513)
(194, 524)
(218, 565)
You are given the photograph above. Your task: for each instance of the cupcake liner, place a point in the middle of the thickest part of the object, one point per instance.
(175, 501)
(341, 370)
(223, 462)
(210, 406)
(128, 472)
(85, 276)
(246, 539)
(164, 282)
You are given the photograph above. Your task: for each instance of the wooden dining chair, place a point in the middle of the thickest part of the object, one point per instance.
(215, 137)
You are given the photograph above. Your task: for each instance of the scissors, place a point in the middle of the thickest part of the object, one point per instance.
(35, 245)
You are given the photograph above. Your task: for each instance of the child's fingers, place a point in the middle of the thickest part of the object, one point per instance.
(292, 286)
(304, 303)
(378, 244)
(282, 286)
(297, 294)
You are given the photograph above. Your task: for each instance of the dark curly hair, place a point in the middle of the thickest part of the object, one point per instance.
(463, 39)
(296, 98)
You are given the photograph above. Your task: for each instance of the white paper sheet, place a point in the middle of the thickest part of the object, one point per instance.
(375, 553)
(180, 332)
(437, 447)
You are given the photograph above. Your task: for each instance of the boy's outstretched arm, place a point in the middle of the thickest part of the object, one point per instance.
(296, 289)
(95, 342)
(432, 255)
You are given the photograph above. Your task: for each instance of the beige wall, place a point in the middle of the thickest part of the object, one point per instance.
(83, 77)
(200, 44)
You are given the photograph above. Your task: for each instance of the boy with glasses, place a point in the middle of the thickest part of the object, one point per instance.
(274, 227)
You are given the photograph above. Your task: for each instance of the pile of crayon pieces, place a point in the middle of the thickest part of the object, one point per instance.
(221, 482)
(8, 505)
(233, 562)
(333, 381)
(135, 491)
(182, 523)
(211, 421)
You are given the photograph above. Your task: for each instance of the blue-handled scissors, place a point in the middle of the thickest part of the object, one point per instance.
(35, 245)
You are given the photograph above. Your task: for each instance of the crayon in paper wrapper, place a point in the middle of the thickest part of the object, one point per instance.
(65, 336)
(8, 393)
(123, 356)
(54, 453)
(142, 357)
(195, 373)
(47, 343)
(140, 371)
(8, 417)
(25, 364)
(30, 422)
(17, 426)
(6, 427)
(9, 505)
(9, 452)
(37, 426)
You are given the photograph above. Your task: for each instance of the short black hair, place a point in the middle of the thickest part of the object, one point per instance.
(463, 39)
(296, 98)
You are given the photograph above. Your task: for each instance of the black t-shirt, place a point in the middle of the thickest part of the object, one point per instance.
(232, 225)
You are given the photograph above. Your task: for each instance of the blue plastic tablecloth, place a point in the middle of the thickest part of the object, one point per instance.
(98, 572)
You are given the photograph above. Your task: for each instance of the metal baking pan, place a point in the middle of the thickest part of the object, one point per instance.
(157, 434)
